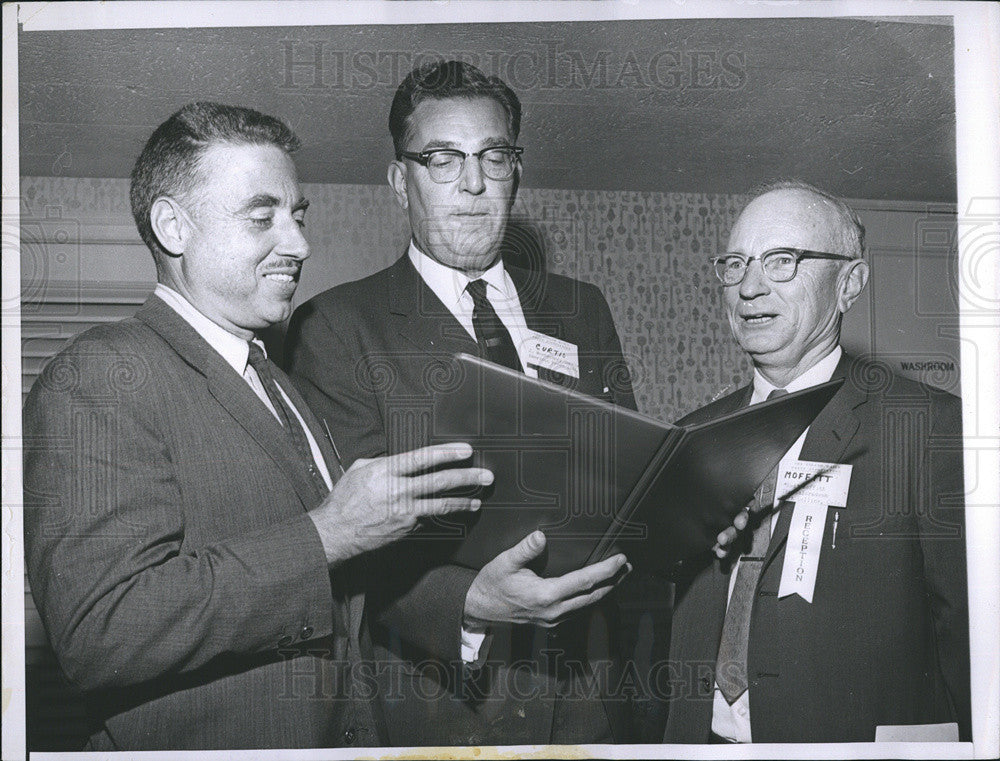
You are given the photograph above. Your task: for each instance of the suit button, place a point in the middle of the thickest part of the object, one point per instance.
(286, 640)
(349, 736)
(706, 685)
(306, 633)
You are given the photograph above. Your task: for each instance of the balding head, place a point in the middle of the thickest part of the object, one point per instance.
(852, 230)
(786, 327)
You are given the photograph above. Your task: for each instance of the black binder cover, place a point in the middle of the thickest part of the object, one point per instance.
(597, 478)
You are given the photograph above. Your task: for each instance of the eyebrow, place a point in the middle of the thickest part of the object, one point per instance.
(490, 142)
(265, 200)
(259, 201)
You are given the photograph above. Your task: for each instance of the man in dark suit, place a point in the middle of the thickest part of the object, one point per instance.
(367, 356)
(192, 544)
(875, 645)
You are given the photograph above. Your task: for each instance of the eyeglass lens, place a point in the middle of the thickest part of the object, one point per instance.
(779, 266)
(496, 163)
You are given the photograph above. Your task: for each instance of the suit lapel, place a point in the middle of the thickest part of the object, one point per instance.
(318, 431)
(420, 317)
(232, 393)
(537, 313)
(530, 294)
(352, 576)
(828, 438)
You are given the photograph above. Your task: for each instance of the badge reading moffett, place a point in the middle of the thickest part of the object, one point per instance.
(552, 354)
(814, 487)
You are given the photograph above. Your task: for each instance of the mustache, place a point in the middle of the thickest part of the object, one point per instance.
(289, 267)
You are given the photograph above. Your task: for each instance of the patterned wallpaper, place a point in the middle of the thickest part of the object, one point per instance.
(649, 254)
(647, 251)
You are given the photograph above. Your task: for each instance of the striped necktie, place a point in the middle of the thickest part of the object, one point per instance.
(286, 415)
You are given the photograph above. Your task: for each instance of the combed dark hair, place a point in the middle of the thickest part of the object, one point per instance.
(168, 164)
(448, 79)
(853, 229)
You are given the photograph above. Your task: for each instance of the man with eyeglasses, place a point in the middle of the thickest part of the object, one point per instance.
(842, 617)
(501, 656)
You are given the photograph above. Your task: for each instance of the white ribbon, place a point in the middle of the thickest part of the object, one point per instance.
(814, 487)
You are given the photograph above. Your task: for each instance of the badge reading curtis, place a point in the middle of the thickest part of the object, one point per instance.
(553, 354)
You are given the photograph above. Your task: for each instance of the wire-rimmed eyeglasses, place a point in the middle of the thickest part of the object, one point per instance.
(446, 164)
(779, 264)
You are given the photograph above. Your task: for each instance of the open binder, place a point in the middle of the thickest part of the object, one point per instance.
(597, 478)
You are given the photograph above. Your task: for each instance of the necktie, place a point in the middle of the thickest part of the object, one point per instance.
(494, 341)
(286, 415)
(731, 666)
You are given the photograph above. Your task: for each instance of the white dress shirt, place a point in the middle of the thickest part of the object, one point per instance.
(733, 721)
(449, 285)
(235, 351)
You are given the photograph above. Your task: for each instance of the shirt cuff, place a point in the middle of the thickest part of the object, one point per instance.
(472, 645)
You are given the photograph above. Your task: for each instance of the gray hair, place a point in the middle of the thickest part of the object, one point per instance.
(169, 163)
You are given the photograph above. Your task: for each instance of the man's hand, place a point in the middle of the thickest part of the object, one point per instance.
(726, 537)
(506, 591)
(379, 501)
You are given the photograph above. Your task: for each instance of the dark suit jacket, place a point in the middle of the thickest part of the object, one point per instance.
(181, 583)
(886, 639)
(366, 355)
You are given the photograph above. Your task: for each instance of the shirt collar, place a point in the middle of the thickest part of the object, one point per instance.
(821, 372)
(233, 349)
(449, 284)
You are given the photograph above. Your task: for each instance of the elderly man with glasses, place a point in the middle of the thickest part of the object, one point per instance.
(501, 656)
(841, 617)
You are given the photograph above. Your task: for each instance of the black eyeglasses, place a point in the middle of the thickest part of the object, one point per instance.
(780, 264)
(446, 164)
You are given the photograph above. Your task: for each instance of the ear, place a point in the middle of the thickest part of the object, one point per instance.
(396, 174)
(517, 182)
(170, 224)
(852, 284)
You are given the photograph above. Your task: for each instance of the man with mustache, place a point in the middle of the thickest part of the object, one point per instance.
(844, 619)
(194, 548)
(501, 656)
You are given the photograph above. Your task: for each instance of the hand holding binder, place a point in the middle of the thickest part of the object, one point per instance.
(507, 590)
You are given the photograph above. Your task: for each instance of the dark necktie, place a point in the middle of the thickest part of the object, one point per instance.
(494, 341)
(286, 416)
(731, 666)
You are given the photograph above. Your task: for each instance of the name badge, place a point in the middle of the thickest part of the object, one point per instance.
(814, 487)
(552, 354)
(825, 483)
